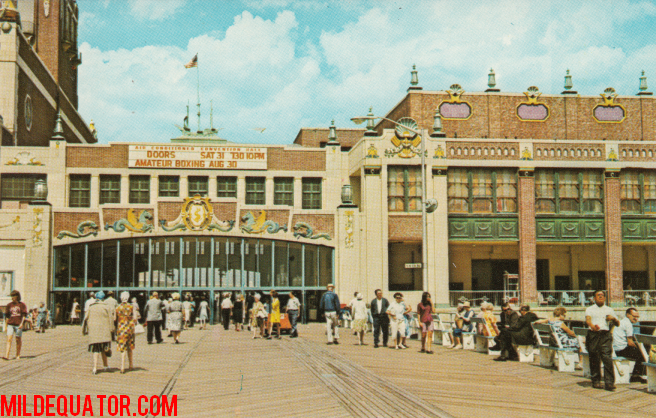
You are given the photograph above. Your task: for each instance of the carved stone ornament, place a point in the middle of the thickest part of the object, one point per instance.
(46, 7)
(260, 224)
(406, 142)
(133, 222)
(197, 214)
(532, 110)
(609, 111)
(455, 108)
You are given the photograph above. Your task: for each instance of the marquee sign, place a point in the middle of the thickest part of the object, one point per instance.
(197, 157)
(609, 111)
(532, 110)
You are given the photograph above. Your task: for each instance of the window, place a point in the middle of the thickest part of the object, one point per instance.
(568, 192)
(283, 191)
(482, 190)
(198, 185)
(110, 189)
(80, 191)
(312, 193)
(403, 189)
(226, 186)
(19, 186)
(169, 186)
(638, 192)
(139, 189)
(255, 192)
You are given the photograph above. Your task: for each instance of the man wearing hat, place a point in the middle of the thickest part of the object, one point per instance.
(330, 306)
(15, 312)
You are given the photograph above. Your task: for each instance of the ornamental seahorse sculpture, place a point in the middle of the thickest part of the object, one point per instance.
(260, 225)
(132, 223)
(93, 230)
(215, 225)
(302, 229)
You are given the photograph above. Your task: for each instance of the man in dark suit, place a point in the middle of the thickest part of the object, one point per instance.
(379, 307)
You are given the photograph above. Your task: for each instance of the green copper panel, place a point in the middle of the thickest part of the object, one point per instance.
(569, 229)
(638, 229)
(487, 229)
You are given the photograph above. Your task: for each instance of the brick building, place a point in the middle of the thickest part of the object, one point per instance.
(559, 189)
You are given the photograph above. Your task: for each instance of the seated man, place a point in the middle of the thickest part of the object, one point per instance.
(519, 334)
(625, 346)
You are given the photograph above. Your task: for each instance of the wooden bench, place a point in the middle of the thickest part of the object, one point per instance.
(622, 366)
(650, 367)
(442, 330)
(482, 341)
(563, 358)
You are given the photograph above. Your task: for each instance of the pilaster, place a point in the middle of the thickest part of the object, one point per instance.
(125, 189)
(613, 225)
(95, 190)
(527, 237)
(438, 239)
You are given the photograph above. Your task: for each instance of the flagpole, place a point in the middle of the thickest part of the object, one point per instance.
(198, 90)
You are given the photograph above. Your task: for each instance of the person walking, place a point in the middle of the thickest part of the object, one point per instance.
(226, 311)
(379, 306)
(111, 302)
(153, 312)
(186, 309)
(599, 341)
(135, 306)
(274, 320)
(203, 312)
(360, 317)
(293, 309)
(176, 317)
(75, 311)
(126, 319)
(99, 324)
(258, 316)
(238, 312)
(396, 312)
(425, 311)
(330, 306)
(41, 318)
(15, 313)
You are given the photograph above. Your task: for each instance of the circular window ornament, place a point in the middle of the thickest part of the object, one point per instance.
(28, 112)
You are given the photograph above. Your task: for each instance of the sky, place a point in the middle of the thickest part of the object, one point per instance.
(281, 65)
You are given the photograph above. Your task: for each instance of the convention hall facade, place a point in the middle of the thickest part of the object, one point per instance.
(558, 189)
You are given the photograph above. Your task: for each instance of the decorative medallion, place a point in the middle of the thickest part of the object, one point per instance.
(532, 110)
(612, 155)
(303, 230)
(455, 108)
(24, 158)
(81, 228)
(348, 241)
(259, 225)
(439, 152)
(133, 222)
(196, 214)
(28, 112)
(405, 141)
(609, 111)
(372, 152)
(526, 154)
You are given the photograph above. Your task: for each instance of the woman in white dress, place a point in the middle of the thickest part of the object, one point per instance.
(186, 309)
(75, 312)
(360, 317)
(203, 313)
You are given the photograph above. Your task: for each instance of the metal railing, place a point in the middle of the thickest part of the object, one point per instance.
(565, 297)
(640, 298)
(478, 297)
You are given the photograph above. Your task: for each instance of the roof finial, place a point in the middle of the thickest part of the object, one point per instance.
(643, 85)
(58, 133)
(437, 125)
(332, 135)
(414, 80)
(568, 84)
(492, 81)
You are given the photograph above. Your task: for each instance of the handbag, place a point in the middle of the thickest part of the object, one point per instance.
(139, 329)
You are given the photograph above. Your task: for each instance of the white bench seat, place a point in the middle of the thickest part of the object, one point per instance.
(483, 342)
(564, 359)
(650, 367)
(622, 366)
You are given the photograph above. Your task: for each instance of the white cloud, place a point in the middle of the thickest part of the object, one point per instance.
(154, 9)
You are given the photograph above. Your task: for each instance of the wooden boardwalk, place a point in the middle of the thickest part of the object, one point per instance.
(215, 373)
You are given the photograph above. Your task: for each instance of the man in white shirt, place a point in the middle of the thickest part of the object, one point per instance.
(625, 346)
(599, 341)
(293, 310)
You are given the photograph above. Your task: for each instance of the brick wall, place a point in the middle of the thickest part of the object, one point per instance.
(527, 240)
(494, 116)
(43, 115)
(404, 228)
(319, 223)
(69, 221)
(114, 214)
(168, 211)
(114, 156)
(313, 137)
(284, 160)
(613, 224)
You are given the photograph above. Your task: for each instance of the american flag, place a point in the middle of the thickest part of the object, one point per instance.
(193, 63)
